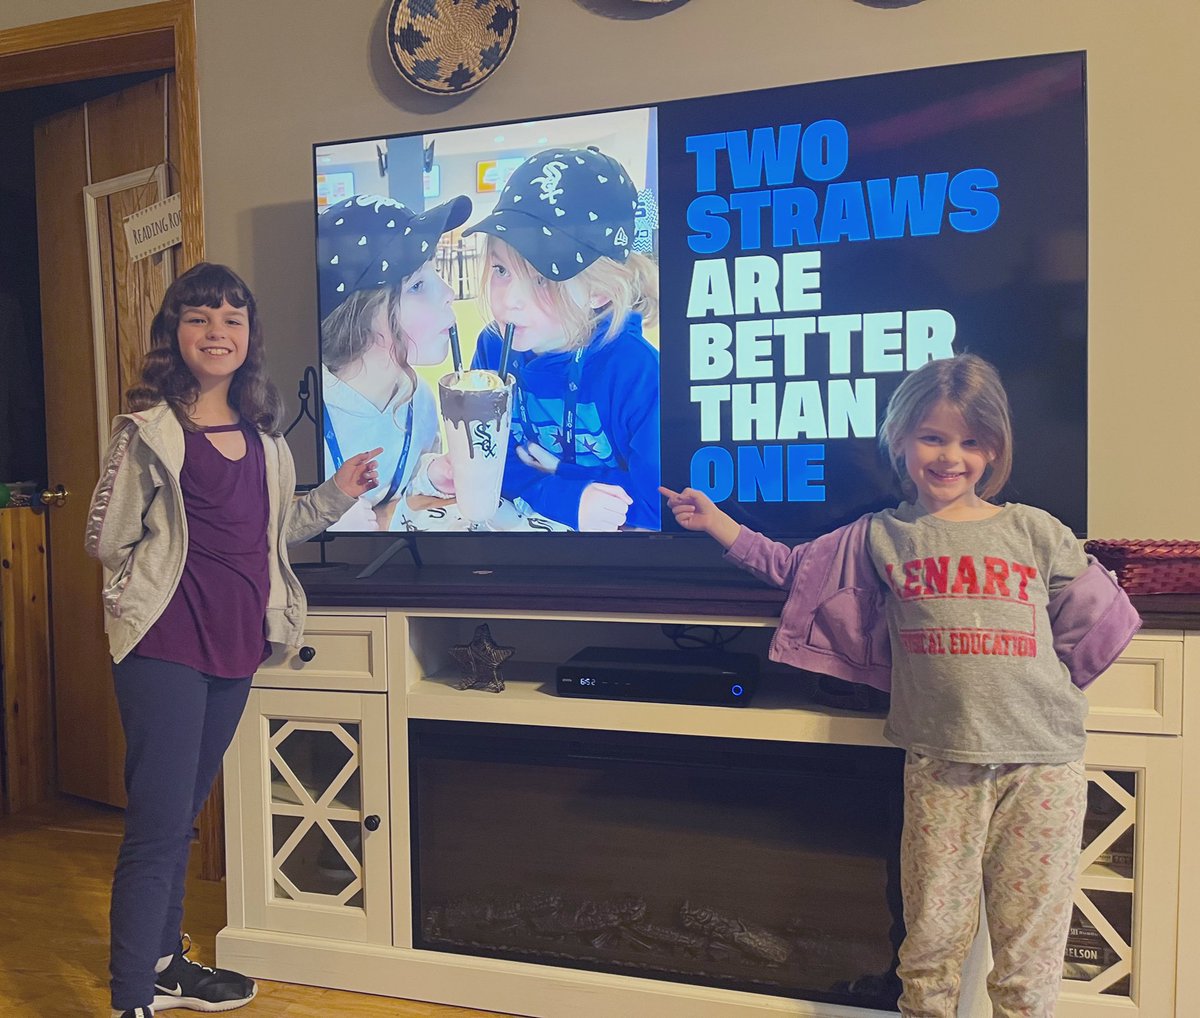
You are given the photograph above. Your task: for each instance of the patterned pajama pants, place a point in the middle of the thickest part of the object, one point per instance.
(1014, 831)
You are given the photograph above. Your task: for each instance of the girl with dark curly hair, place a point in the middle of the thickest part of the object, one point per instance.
(191, 520)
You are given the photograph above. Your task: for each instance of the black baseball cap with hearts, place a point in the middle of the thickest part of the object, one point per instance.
(564, 208)
(369, 241)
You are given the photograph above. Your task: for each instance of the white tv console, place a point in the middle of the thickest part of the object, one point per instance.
(378, 657)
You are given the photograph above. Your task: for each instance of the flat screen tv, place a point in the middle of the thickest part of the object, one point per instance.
(720, 291)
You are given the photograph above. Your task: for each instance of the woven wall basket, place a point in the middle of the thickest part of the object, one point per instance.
(447, 47)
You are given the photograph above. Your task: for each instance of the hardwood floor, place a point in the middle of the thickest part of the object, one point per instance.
(56, 864)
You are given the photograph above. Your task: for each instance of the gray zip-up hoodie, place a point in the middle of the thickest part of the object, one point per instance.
(137, 527)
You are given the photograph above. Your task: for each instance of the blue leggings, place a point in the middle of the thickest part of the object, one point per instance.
(178, 723)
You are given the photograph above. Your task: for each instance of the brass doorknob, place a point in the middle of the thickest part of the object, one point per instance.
(56, 497)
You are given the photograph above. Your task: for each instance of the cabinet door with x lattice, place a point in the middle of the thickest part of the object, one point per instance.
(309, 811)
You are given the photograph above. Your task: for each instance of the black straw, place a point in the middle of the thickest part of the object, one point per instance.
(455, 350)
(506, 350)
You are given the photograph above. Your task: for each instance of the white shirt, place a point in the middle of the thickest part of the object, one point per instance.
(360, 426)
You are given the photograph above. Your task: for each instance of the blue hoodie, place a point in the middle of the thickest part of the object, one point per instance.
(616, 430)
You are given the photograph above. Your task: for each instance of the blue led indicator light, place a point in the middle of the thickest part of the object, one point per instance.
(736, 689)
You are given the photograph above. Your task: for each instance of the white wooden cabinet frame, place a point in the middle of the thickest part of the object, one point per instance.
(345, 702)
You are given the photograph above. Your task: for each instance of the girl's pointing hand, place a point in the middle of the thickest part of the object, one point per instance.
(359, 474)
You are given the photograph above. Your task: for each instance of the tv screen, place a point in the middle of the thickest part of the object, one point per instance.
(334, 187)
(720, 292)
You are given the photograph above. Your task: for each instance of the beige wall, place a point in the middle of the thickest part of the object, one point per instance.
(277, 75)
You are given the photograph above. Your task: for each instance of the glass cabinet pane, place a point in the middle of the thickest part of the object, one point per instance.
(315, 760)
(1108, 816)
(315, 804)
(318, 866)
(1099, 957)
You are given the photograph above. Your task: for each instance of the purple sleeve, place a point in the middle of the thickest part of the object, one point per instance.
(1093, 621)
(771, 561)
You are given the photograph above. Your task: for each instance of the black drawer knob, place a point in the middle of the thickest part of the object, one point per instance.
(307, 653)
(371, 823)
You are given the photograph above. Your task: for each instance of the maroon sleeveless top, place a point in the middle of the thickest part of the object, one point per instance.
(215, 622)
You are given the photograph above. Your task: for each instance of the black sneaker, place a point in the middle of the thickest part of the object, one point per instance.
(138, 1012)
(185, 983)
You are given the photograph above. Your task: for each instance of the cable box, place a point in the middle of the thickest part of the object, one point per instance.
(665, 676)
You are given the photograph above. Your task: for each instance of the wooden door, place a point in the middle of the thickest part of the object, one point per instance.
(86, 369)
(24, 659)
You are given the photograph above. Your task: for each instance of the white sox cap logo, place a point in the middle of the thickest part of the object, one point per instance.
(550, 181)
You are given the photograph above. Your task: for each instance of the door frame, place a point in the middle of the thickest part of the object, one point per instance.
(155, 36)
(151, 37)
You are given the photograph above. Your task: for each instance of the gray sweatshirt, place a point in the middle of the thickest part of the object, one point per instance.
(974, 673)
(137, 527)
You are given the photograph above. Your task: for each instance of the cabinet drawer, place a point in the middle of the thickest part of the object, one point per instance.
(1142, 692)
(347, 652)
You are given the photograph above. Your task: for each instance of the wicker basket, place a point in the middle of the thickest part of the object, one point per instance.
(446, 47)
(1151, 567)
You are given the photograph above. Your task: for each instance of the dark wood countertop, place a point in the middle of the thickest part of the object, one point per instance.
(716, 592)
(1168, 611)
(547, 588)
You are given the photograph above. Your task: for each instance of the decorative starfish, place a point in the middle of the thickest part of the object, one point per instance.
(480, 661)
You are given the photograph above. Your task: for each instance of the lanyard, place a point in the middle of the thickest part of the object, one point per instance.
(335, 450)
(570, 405)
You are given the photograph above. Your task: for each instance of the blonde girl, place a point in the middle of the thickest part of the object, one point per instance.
(985, 621)
(561, 273)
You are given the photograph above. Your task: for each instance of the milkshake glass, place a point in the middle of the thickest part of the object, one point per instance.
(477, 413)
